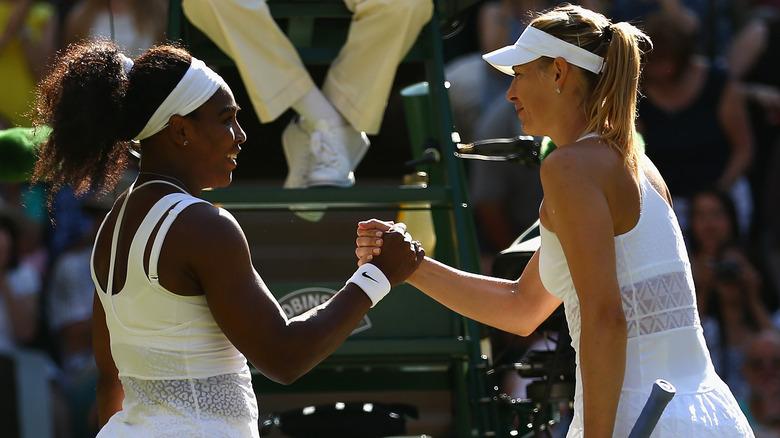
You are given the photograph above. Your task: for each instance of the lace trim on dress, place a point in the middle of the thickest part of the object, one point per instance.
(660, 303)
(226, 397)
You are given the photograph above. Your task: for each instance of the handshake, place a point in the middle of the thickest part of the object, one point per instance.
(389, 247)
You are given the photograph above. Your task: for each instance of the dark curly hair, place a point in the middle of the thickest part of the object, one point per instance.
(94, 109)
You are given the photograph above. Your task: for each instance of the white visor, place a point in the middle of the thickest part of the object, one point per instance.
(197, 86)
(535, 43)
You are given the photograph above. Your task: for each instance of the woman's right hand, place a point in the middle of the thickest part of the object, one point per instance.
(390, 248)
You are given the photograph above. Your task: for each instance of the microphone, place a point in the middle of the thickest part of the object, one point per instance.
(430, 156)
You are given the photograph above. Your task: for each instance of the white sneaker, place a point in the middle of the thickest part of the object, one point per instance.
(296, 145)
(336, 150)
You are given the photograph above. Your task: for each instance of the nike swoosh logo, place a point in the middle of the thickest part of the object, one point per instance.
(365, 274)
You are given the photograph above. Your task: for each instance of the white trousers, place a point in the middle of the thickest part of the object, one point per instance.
(359, 80)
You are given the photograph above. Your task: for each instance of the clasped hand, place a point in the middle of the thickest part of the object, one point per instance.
(388, 246)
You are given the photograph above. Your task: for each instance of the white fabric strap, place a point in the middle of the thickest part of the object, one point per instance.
(173, 213)
(535, 43)
(373, 282)
(197, 86)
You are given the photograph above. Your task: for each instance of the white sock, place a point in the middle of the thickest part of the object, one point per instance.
(314, 106)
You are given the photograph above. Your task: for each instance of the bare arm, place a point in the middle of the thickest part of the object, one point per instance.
(109, 389)
(733, 117)
(577, 210)
(514, 306)
(250, 316)
(746, 48)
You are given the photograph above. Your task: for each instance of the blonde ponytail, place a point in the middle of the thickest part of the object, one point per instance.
(612, 106)
(612, 94)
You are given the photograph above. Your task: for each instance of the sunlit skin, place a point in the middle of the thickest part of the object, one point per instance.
(213, 140)
(542, 109)
(590, 196)
(528, 95)
(216, 139)
(206, 253)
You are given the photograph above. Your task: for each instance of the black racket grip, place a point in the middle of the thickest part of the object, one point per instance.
(660, 396)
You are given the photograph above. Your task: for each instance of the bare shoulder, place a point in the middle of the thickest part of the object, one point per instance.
(204, 225)
(573, 177)
(654, 176)
(585, 161)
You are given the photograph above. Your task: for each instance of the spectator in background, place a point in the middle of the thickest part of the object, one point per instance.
(693, 120)
(20, 287)
(754, 61)
(475, 87)
(712, 20)
(761, 370)
(26, 201)
(135, 25)
(728, 286)
(505, 196)
(28, 38)
(69, 304)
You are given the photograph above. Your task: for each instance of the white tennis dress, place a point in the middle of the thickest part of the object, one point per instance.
(665, 338)
(181, 376)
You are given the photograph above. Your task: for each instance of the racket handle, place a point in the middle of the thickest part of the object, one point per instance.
(660, 396)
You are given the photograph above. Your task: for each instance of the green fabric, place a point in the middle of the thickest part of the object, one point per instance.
(18, 147)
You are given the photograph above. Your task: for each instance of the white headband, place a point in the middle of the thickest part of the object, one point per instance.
(193, 90)
(535, 43)
(127, 63)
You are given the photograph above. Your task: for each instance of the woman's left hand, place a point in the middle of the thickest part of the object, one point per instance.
(370, 238)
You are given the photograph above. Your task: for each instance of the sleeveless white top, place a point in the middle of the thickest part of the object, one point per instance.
(180, 374)
(665, 339)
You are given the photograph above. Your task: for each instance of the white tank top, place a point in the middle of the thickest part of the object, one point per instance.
(665, 339)
(657, 291)
(156, 334)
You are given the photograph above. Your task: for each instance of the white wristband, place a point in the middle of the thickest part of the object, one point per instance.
(373, 282)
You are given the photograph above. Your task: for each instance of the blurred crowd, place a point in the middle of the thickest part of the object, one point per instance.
(46, 288)
(709, 117)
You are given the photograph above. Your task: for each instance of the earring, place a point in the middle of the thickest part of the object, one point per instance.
(558, 90)
(186, 142)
